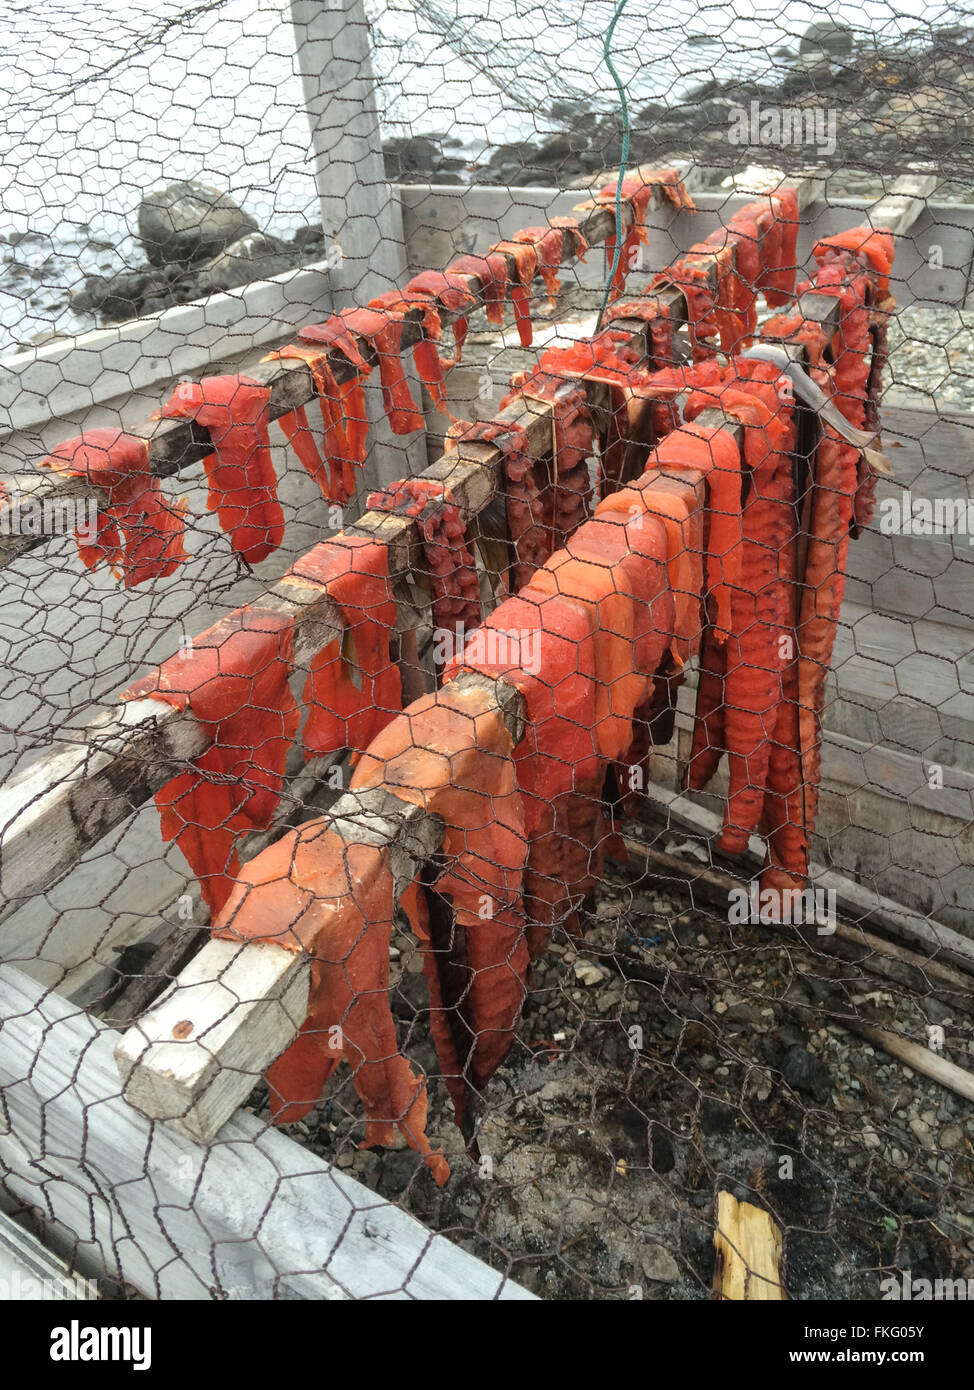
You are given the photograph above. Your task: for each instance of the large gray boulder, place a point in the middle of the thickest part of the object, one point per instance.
(825, 42)
(187, 221)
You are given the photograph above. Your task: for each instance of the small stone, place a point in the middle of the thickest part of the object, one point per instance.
(744, 1013)
(760, 1083)
(951, 1137)
(659, 1265)
(922, 1132)
(589, 974)
(806, 1073)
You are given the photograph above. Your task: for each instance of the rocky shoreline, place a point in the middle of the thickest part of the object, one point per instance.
(197, 242)
(878, 110)
(894, 106)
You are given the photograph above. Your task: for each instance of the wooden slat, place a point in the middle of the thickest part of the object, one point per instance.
(193, 1059)
(60, 378)
(256, 1217)
(28, 1270)
(747, 1246)
(906, 199)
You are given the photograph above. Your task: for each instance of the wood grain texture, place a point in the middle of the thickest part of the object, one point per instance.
(254, 1217)
(747, 1248)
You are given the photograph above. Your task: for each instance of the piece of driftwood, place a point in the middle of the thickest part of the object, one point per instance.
(747, 1253)
(925, 1060)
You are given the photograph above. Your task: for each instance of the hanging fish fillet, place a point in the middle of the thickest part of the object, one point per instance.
(139, 533)
(243, 485)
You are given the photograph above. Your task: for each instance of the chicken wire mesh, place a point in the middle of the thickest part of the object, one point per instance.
(542, 995)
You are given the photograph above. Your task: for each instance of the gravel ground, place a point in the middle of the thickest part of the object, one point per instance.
(603, 1150)
(931, 363)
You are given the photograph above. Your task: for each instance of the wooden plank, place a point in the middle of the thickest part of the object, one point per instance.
(747, 1249)
(905, 200)
(234, 1010)
(28, 1270)
(72, 798)
(195, 1057)
(255, 1217)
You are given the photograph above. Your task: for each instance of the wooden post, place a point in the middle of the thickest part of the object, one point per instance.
(359, 207)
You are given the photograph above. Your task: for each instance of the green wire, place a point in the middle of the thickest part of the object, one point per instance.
(624, 104)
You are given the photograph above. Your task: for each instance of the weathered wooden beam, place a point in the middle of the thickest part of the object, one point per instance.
(72, 798)
(904, 203)
(194, 1058)
(255, 1217)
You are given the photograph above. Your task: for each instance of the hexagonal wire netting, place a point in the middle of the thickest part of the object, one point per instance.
(655, 901)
